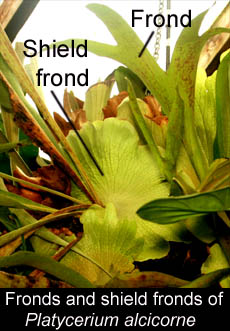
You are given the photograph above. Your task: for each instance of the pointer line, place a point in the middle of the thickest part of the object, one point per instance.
(146, 44)
(77, 133)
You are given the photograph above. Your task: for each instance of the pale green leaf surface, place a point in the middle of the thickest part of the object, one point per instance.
(202, 228)
(222, 56)
(216, 261)
(210, 114)
(130, 177)
(32, 69)
(217, 177)
(96, 99)
(11, 129)
(158, 132)
(12, 134)
(182, 72)
(200, 107)
(185, 174)
(46, 239)
(124, 113)
(156, 239)
(184, 169)
(112, 242)
(121, 73)
(126, 52)
(42, 246)
(183, 67)
(130, 172)
(174, 134)
(205, 111)
(145, 131)
(19, 48)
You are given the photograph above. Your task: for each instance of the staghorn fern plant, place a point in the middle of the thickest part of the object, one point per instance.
(164, 161)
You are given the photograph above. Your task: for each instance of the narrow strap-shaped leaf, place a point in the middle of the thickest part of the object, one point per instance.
(217, 177)
(12, 133)
(44, 233)
(174, 133)
(120, 74)
(171, 210)
(41, 188)
(182, 72)
(67, 212)
(223, 109)
(183, 67)
(9, 199)
(47, 265)
(144, 129)
(7, 147)
(12, 235)
(5, 97)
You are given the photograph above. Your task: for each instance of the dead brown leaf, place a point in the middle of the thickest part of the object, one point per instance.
(71, 103)
(62, 123)
(110, 110)
(78, 117)
(155, 113)
(49, 176)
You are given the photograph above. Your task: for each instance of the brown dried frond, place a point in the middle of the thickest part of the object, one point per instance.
(78, 118)
(155, 113)
(110, 110)
(49, 176)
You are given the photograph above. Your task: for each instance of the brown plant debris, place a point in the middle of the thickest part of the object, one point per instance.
(155, 113)
(49, 176)
(78, 118)
(110, 110)
(74, 109)
(71, 103)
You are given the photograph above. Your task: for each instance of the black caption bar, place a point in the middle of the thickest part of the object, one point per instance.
(66, 309)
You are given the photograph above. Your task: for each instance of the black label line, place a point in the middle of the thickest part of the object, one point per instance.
(146, 44)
